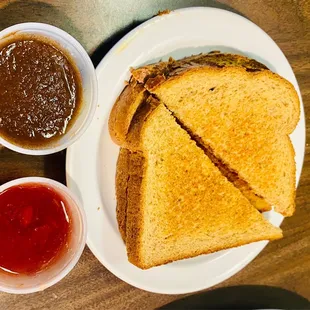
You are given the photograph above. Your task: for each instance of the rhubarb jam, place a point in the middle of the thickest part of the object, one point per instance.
(35, 228)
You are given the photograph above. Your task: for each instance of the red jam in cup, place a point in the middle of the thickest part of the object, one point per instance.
(35, 228)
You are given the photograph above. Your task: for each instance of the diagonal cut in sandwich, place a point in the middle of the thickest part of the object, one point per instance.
(241, 113)
(135, 94)
(173, 202)
(244, 119)
(204, 145)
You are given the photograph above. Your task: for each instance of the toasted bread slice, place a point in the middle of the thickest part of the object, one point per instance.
(179, 205)
(244, 118)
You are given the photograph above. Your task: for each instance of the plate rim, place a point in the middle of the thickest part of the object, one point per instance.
(252, 254)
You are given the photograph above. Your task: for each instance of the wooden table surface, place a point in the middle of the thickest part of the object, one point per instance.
(98, 24)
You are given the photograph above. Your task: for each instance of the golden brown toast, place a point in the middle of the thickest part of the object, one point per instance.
(148, 76)
(244, 118)
(158, 73)
(179, 205)
(195, 160)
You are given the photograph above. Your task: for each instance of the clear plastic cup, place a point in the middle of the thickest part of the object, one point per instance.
(24, 284)
(89, 84)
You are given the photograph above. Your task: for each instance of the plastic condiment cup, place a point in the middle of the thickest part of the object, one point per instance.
(24, 284)
(89, 84)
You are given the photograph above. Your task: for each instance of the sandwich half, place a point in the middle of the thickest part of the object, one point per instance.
(241, 113)
(244, 119)
(152, 76)
(178, 203)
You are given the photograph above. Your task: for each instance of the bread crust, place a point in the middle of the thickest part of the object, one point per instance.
(129, 163)
(135, 211)
(124, 109)
(121, 188)
(136, 260)
(167, 69)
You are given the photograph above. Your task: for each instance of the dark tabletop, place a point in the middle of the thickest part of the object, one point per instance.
(98, 25)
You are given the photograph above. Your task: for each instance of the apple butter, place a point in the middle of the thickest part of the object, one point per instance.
(40, 91)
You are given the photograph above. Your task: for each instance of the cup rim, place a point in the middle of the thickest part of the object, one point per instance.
(23, 27)
(78, 252)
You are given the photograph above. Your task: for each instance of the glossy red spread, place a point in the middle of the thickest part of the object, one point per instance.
(34, 228)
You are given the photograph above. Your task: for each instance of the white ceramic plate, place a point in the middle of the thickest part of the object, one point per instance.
(91, 161)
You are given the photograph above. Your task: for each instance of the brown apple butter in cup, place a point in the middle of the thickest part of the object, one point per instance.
(40, 91)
